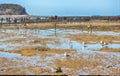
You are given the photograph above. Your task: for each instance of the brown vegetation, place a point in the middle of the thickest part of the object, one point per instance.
(109, 50)
(90, 38)
(76, 63)
(95, 26)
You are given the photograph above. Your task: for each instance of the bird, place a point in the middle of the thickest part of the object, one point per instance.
(84, 44)
(103, 43)
(65, 54)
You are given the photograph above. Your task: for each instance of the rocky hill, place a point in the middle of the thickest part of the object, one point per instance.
(12, 9)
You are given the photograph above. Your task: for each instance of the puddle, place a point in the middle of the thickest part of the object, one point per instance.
(56, 56)
(9, 55)
(58, 36)
(110, 33)
(65, 44)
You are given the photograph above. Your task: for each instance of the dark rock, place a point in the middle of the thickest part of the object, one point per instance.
(58, 70)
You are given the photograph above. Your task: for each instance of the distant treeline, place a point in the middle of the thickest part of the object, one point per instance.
(60, 19)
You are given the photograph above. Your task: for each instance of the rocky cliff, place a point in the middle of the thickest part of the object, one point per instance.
(12, 9)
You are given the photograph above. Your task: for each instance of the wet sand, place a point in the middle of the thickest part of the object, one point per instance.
(39, 51)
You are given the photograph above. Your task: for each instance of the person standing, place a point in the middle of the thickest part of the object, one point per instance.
(89, 27)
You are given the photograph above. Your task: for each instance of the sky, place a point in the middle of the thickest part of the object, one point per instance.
(69, 7)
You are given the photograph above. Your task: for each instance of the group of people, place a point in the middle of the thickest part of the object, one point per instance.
(24, 20)
(13, 20)
(89, 27)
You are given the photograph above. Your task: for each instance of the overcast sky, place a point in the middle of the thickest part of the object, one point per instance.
(69, 7)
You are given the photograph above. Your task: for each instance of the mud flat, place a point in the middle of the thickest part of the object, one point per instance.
(41, 51)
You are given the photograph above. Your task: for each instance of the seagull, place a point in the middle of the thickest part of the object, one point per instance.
(101, 42)
(84, 44)
(65, 54)
(105, 43)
